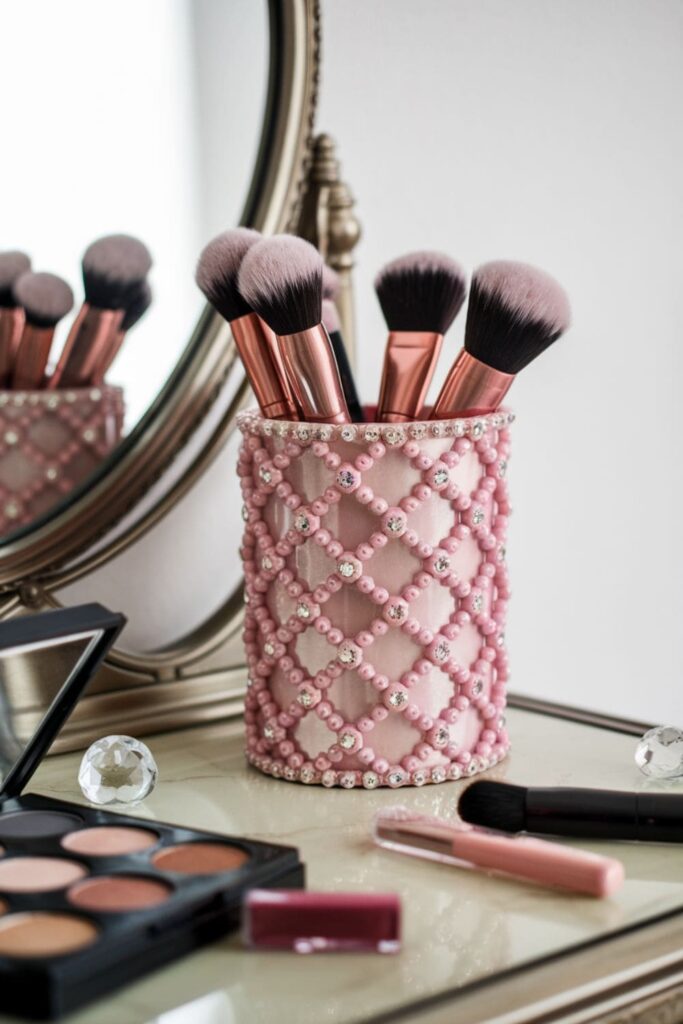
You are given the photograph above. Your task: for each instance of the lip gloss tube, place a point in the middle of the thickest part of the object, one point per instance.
(534, 860)
(313, 375)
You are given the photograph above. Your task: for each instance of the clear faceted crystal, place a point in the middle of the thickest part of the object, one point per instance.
(660, 752)
(117, 769)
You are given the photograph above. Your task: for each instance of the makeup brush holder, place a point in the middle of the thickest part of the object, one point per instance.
(50, 442)
(376, 594)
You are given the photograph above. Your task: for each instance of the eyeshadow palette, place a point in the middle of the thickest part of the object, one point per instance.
(91, 899)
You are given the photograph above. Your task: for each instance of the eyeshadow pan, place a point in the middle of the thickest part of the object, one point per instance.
(118, 893)
(110, 841)
(200, 858)
(38, 874)
(44, 934)
(36, 824)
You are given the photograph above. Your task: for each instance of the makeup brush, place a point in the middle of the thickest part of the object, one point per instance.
(138, 304)
(332, 325)
(585, 813)
(281, 278)
(45, 298)
(420, 295)
(113, 269)
(12, 265)
(216, 275)
(515, 312)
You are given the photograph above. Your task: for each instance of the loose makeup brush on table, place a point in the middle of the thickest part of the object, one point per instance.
(515, 312)
(46, 299)
(281, 278)
(114, 268)
(12, 265)
(216, 275)
(137, 306)
(420, 295)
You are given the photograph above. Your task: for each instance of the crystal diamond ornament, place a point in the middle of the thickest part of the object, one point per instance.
(117, 769)
(660, 753)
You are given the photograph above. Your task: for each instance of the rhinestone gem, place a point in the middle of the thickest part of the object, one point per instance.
(346, 569)
(442, 651)
(303, 611)
(11, 510)
(265, 474)
(440, 477)
(459, 429)
(454, 771)
(441, 736)
(347, 433)
(245, 513)
(395, 524)
(307, 775)
(347, 780)
(89, 435)
(347, 740)
(397, 612)
(438, 774)
(269, 649)
(372, 433)
(281, 429)
(95, 395)
(442, 563)
(502, 467)
(324, 433)
(290, 774)
(267, 427)
(276, 770)
(268, 732)
(398, 699)
(329, 777)
(117, 769)
(303, 433)
(266, 563)
(501, 553)
(370, 780)
(478, 516)
(396, 777)
(473, 767)
(305, 699)
(477, 688)
(437, 429)
(302, 523)
(394, 435)
(419, 777)
(418, 431)
(348, 654)
(11, 437)
(477, 602)
(659, 753)
(502, 722)
(345, 478)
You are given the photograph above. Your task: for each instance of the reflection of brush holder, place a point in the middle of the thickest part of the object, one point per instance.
(50, 442)
(376, 594)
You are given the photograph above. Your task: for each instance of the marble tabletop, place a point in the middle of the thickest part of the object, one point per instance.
(459, 926)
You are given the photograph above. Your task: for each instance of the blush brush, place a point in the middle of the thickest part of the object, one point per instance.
(515, 313)
(138, 304)
(282, 279)
(420, 295)
(217, 277)
(12, 265)
(114, 268)
(46, 299)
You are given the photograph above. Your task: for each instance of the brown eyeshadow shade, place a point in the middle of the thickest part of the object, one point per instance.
(38, 874)
(110, 841)
(200, 858)
(43, 934)
(36, 824)
(115, 894)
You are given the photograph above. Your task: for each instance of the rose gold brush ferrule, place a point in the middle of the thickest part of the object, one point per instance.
(88, 339)
(11, 326)
(109, 353)
(471, 388)
(409, 362)
(32, 357)
(260, 355)
(313, 375)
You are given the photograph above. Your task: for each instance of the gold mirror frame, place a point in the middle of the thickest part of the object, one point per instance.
(201, 672)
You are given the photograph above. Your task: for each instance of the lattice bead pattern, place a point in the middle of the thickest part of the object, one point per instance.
(50, 442)
(376, 592)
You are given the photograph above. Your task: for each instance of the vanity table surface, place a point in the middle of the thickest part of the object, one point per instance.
(476, 948)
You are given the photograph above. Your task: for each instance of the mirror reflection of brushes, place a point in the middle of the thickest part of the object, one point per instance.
(12, 265)
(114, 268)
(46, 299)
(139, 302)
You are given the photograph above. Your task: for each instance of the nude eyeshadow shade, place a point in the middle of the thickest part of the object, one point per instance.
(110, 841)
(43, 934)
(39, 874)
(37, 824)
(200, 858)
(118, 893)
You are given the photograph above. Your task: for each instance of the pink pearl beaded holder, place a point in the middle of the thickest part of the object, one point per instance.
(376, 593)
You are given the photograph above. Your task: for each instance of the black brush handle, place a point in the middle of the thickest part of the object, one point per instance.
(346, 377)
(605, 814)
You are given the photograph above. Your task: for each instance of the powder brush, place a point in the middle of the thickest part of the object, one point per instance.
(217, 277)
(332, 325)
(12, 265)
(46, 299)
(281, 278)
(114, 268)
(138, 304)
(515, 313)
(420, 295)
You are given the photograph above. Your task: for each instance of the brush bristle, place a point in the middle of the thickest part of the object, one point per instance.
(516, 311)
(498, 805)
(330, 283)
(137, 307)
(281, 278)
(422, 291)
(330, 317)
(113, 268)
(46, 298)
(12, 264)
(218, 268)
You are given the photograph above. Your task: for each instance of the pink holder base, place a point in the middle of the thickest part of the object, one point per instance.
(376, 594)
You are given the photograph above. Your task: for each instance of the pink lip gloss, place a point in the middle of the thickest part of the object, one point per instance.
(534, 860)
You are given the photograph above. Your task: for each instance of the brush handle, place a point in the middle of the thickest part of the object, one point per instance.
(11, 326)
(472, 388)
(346, 375)
(605, 814)
(85, 346)
(313, 374)
(409, 362)
(32, 356)
(260, 355)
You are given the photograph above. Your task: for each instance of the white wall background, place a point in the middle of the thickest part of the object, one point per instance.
(548, 132)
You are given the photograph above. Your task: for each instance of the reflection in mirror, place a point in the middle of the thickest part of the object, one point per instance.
(170, 112)
(32, 677)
